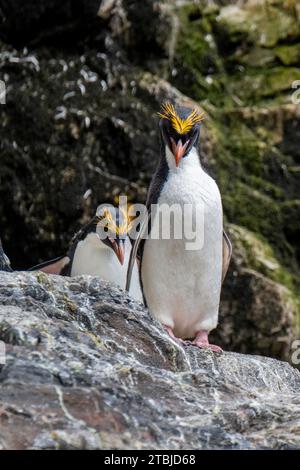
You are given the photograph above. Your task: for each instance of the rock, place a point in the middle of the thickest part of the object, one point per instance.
(4, 261)
(35, 21)
(144, 35)
(53, 22)
(264, 23)
(257, 57)
(255, 38)
(267, 322)
(289, 55)
(107, 141)
(90, 369)
(276, 80)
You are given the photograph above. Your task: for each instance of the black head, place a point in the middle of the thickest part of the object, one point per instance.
(180, 129)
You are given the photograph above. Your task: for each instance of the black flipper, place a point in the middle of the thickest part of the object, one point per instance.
(58, 265)
(63, 264)
(227, 252)
(135, 250)
(155, 188)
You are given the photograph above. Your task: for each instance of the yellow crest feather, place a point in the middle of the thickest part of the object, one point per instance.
(181, 126)
(107, 220)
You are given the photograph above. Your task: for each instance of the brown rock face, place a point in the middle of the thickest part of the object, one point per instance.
(88, 368)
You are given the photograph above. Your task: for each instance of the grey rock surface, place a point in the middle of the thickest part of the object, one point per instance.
(84, 81)
(88, 368)
(4, 261)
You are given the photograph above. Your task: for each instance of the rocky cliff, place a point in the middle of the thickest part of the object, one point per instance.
(84, 81)
(88, 368)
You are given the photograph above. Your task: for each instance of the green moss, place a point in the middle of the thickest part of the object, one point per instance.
(262, 23)
(279, 79)
(288, 55)
(259, 255)
(44, 279)
(249, 199)
(253, 84)
(195, 42)
(69, 304)
(244, 145)
(268, 188)
(208, 67)
(240, 196)
(256, 57)
(197, 61)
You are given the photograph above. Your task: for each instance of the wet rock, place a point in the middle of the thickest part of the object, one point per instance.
(108, 376)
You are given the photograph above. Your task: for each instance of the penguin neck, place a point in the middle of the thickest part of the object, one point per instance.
(189, 162)
(94, 257)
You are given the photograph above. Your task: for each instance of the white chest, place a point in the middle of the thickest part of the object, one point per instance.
(182, 287)
(93, 257)
(189, 183)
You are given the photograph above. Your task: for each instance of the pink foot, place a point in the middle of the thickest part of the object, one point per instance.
(201, 341)
(171, 333)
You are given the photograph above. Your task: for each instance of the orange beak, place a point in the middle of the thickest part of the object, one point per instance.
(178, 150)
(119, 250)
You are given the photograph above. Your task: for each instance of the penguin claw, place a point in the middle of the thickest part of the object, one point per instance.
(171, 334)
(203, 345)
(201, 341)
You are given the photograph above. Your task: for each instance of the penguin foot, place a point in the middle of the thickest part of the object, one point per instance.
(171, 333)
(201, 341)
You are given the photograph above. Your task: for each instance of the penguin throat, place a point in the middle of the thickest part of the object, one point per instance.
(190, 160)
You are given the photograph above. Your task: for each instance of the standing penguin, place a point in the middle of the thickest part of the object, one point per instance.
(106, 257)
(182, 287)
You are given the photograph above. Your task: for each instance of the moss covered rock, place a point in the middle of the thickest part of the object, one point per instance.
(289, 54)
(264, 23)
(271, 315)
